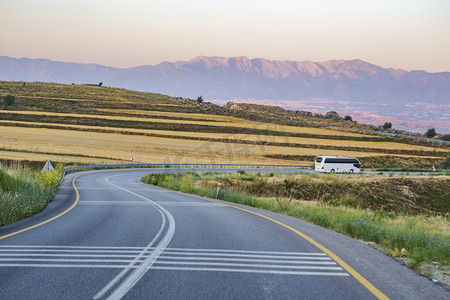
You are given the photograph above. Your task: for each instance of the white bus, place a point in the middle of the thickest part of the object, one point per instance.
(332, 164)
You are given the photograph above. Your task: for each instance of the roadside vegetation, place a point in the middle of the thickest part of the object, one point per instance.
(407, 217)
(24, 192)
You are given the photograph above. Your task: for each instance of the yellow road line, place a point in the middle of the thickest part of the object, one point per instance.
(51, 219)
(376, 292)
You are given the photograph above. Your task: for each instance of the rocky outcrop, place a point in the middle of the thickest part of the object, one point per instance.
(332, 115)
(302, 113)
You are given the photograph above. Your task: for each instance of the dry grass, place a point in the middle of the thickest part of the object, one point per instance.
(104, 98)
(147, 149)
(351, 178)
(61, 99)
(172, 114)
(240, 123)
(252, 138)
(122, 147)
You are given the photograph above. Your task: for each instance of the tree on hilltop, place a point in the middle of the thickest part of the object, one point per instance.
(430, 133)
(387, 125)
(200, 99)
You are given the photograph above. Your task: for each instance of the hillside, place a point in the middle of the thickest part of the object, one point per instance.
(367, 91)
(95, 124)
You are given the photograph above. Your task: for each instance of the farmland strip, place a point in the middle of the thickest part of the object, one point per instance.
(237, 141)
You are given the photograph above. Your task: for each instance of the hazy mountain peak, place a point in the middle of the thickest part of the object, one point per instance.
(241, 77)
(208, 60)
(276, 69)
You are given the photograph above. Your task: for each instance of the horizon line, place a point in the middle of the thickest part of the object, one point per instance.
(223, 57)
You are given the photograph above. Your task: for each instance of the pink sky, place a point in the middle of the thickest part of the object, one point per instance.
(397, 33)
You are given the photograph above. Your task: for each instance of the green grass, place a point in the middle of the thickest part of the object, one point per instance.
(392, 194)
(417, 239)
(412, 235)
(24, 193)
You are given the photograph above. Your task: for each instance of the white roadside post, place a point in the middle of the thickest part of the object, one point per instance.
(218, 188)
(132, 159)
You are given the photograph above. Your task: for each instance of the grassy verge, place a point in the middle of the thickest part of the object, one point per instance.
(417, 239)
(24, 193)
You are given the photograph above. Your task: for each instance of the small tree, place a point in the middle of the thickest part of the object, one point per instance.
(9, 100)
(348, 118)
(430, 133)
(200, 99)
(387, 125)
(100, 84)
(446, 163)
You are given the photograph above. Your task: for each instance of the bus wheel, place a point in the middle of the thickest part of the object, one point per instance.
(332, 171)
(351, 171)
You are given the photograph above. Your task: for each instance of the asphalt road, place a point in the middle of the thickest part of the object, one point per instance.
(125, 239)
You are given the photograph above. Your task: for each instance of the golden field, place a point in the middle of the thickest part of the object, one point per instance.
(78, 144)
(234, 122)
(90, 124)
(246, 137)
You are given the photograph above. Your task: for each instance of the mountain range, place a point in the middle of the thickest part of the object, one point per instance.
(347, 86)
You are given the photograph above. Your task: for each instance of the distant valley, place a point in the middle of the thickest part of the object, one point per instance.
(414, 100)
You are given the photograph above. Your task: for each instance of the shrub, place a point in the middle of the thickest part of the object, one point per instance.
(430, 133)
(9, 100)
(445, 137)
(446, 163)
(348, 118)
(387, 125)
(186, 183)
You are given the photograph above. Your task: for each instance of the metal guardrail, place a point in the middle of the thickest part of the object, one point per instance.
(212, 166)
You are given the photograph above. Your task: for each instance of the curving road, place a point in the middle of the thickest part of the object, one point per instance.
(107, 236)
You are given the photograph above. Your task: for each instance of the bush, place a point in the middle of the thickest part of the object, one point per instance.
(446, 163)
(186, 183)
(445, 137)
(387, 125)
(348, 118)
(9, 100)
(430, 133)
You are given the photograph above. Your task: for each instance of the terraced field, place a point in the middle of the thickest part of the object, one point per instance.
(92, 124)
